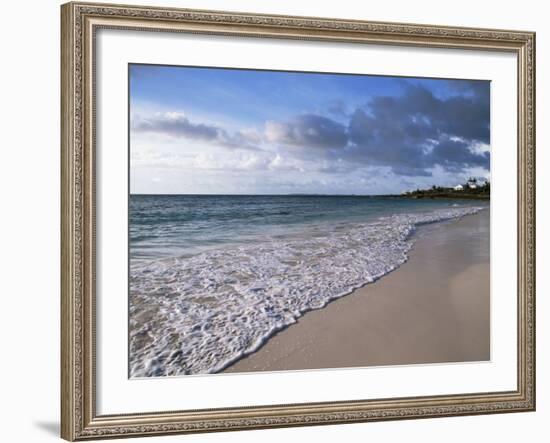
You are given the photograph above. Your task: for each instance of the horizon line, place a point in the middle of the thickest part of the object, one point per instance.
(296, 194)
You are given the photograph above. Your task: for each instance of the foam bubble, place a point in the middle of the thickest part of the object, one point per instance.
(199, 314)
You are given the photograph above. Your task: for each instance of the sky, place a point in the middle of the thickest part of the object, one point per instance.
(233, 131)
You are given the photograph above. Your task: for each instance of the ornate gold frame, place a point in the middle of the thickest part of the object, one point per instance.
(79, 21)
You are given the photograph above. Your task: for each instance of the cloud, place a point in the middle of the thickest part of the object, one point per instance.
(307, 130)
(175, 124)
(455, 156)
(415, 132)
(411, 133)
(465, 115)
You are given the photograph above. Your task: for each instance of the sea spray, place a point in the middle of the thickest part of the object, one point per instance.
(199, 314)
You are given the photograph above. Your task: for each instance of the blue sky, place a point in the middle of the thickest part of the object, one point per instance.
(231, 131)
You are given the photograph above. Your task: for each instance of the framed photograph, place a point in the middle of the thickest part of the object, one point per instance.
(281, 221)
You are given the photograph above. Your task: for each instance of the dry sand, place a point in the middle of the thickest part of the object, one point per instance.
(433, 309)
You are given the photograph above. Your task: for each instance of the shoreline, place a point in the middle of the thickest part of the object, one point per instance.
(400, 318)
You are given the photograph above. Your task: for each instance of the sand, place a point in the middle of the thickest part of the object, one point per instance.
(433, 309)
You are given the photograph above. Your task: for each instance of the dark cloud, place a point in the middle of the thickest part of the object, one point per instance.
(455, 156)
(177, 125)
(411, 133)
(308, 130)
(418, 113)
(380, 140)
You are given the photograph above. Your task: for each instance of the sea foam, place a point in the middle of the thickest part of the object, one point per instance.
(199, 314)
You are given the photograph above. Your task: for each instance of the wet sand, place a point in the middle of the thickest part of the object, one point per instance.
(433, 309)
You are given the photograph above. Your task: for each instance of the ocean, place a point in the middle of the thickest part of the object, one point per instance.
(213, 277)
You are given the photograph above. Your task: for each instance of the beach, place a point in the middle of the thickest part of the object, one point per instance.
(435, 308)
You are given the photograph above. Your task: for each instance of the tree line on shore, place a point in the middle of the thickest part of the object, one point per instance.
(473, 188)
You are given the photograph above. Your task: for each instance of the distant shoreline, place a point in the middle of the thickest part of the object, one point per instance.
(451, 196)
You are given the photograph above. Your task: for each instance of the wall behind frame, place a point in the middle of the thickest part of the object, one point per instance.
(29, 221)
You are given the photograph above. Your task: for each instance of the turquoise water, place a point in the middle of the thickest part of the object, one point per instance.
(164, 226)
